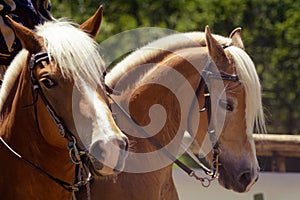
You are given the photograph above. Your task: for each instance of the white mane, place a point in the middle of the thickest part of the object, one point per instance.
(75, 53)
(169, 43)
(249, 78)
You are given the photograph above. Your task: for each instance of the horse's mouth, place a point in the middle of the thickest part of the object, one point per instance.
(97, 168)
(229, 183)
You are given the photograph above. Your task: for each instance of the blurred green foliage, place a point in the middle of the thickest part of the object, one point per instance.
(271, 30)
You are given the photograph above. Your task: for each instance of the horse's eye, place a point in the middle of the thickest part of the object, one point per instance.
(48, 83)
(227, 105)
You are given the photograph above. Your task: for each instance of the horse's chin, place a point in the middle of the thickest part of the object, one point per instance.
(107, 171)
(97, 168)
(227, 182)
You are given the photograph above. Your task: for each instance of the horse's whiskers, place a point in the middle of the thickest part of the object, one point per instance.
(132, 145)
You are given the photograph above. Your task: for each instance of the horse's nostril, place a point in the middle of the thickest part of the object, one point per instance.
(245, 178)
(124, 143)
(127, 143)
(97, 150)
(256, 179)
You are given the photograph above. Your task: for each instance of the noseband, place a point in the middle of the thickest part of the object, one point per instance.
(206, 75)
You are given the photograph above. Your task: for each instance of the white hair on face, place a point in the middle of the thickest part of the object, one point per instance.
(93, 108)
(250, 80)
(75, 52)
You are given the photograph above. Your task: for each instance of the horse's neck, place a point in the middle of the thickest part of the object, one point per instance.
(20, 126)
(155, 52)
(141, 97)
(143, 60)
(126, 74)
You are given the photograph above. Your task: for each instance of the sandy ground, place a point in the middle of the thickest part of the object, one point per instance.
(272, 186)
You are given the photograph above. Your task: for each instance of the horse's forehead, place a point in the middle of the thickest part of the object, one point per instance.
(47, 68)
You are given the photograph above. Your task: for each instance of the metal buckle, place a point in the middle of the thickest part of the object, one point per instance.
(75, 155)
(61, 130)
(205, 182)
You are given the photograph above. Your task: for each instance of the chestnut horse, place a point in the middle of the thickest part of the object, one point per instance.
(167, 74)
(54, 109)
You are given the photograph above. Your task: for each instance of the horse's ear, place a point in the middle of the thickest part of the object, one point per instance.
(216, 51)
(92, 25)
(29, 39)
(236, 37)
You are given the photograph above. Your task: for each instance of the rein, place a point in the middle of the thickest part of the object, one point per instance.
(205, 76)
(67, 186)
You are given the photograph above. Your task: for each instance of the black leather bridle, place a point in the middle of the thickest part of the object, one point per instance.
(206, 75)
(84, 167)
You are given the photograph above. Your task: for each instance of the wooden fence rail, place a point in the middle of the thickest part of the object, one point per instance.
(284, 145)
(276, 146)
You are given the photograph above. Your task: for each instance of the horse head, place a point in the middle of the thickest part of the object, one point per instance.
(70, 94)
(236, 108)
